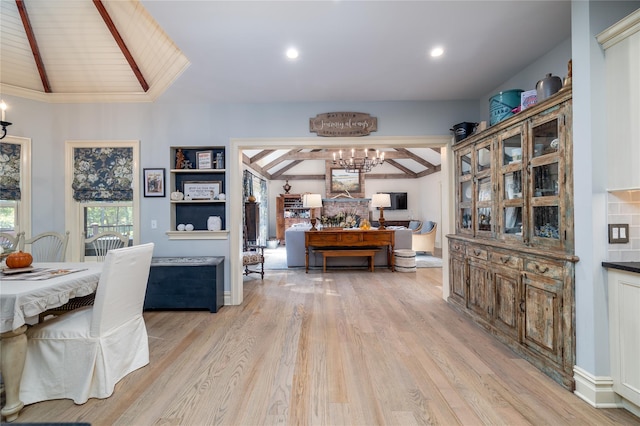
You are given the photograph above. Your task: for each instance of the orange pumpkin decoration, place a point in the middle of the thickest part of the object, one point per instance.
(19, 260)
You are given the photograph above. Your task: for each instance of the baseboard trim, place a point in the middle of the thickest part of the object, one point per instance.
(597, 391)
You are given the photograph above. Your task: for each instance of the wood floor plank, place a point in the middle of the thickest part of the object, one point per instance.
(346, 347)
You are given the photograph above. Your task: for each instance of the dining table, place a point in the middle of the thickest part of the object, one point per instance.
(23, 296)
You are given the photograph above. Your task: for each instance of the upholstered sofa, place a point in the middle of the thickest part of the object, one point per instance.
(294, 243)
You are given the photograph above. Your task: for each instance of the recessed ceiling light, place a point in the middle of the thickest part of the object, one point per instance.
(292, 53)
(437, 51)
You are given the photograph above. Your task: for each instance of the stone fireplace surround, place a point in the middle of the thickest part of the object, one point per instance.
(333, 206)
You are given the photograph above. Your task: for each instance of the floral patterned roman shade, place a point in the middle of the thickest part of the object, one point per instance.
(9, 171)
(103, 174)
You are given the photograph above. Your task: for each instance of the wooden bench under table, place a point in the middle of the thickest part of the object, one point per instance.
(369, 253)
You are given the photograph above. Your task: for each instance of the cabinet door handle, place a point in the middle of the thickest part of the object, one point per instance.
(541, 270)
(505, 259)
(522, 306)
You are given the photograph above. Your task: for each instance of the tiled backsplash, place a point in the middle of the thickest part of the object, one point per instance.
(624, 207)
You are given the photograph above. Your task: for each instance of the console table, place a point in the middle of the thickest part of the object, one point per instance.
(346, 239)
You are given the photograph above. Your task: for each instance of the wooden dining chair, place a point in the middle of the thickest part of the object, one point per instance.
(85, 353)
(10, 242)
(48, 247)
(104, 241)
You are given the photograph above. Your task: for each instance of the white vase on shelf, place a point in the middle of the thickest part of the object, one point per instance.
(214, 223)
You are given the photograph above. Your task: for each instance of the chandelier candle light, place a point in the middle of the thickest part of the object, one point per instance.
(312, 201)
(358, 165)
(381, 201)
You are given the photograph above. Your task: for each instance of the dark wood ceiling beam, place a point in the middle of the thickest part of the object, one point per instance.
(289, 166)
(302, 177)
(282, 158)
(416, 157)
(428, 172)
(246, 160)
(26, 23)
(123, 47)
(401, 167)
(259, 156)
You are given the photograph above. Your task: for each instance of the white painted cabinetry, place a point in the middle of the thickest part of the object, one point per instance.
(622, 49)
(624, 330)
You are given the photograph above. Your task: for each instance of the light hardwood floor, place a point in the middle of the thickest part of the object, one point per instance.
(340, 348)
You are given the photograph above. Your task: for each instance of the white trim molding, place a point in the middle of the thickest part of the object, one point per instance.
(619, 31)
(597, 391)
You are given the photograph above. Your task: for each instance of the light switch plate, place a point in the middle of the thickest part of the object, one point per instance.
(618, 233)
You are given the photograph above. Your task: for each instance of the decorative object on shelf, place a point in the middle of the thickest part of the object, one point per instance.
(501, 105)
(188, 227)
(202, 190)
(312, 201)
(154, 183)
(219, 161)
(177, 196)
(180, 158)
(462, 130)
(181, 227)
(286, 187)
(381, 201)
(365, 224)
(568, 78)
(204, 160)
(548, 86)
(358, 165)
(3, 123)
(251, 198)
(222, 196)
(214, 223)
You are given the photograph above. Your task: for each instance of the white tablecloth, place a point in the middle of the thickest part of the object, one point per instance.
(22, 299)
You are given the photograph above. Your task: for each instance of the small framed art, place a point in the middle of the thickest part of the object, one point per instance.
(154, 183)
(204, 159)
(201, 190)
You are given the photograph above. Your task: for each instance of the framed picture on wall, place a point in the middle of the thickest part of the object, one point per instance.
(341, 182)
(154, 183)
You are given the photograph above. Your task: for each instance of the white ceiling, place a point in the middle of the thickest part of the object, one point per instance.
(349, 50)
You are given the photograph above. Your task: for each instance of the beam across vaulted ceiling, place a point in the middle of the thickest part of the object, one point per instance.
(297, 156)
(35, 50)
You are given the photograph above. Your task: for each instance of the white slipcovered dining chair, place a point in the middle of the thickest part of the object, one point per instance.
(48, 247)
(84, 353)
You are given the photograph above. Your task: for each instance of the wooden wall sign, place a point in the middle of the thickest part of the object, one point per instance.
(338, 124)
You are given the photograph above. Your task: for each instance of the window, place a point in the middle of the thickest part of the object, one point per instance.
(15, 185)
(102, 191)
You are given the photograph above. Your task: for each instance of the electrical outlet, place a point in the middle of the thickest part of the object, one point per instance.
(618, 233)
(154, 224)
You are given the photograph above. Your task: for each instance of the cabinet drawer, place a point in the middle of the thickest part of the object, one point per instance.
(504, 259)
(456, 247)
(476, 252)
(545, 269)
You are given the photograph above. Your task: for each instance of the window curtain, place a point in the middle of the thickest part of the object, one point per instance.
(10, 171)
(103, 174)
(263, 211)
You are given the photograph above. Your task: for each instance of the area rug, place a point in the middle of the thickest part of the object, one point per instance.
(427, 261)
(277, 259)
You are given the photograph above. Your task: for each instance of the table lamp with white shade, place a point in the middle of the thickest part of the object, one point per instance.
(381, 201)
(312, 201)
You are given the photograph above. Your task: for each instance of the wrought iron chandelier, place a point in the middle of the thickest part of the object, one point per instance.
(358, 165)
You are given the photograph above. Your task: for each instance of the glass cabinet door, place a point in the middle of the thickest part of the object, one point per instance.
(464, 191)
(510, 181)
(484, 214)
(545, 189)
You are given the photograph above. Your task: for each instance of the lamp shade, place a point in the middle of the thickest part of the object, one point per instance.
(312, 201)
(381, 200)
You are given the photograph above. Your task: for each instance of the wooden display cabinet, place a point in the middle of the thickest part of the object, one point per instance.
(512, 257)
(289, 211)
